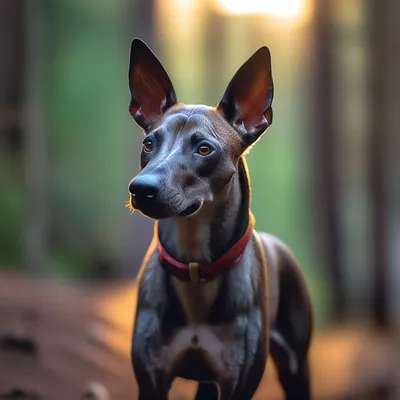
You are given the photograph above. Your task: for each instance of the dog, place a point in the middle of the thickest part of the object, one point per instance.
(214, 297)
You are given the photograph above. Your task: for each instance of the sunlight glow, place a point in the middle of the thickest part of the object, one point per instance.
(278, 8)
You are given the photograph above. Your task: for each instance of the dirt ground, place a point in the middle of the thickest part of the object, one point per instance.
(58, 340)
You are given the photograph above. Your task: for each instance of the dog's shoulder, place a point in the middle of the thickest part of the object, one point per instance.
(151, 281)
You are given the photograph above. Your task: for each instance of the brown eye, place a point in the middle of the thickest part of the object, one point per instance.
(148, 145)
(204, 150)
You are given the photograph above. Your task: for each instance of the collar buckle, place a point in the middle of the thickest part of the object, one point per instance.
(194, 273)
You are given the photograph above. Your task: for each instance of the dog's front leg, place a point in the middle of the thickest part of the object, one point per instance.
(249, 353)
(152, 377)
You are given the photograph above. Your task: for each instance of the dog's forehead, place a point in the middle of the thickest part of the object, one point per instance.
(184, 119)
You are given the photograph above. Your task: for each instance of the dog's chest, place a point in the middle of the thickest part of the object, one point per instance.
(196, 299)
(196, 352)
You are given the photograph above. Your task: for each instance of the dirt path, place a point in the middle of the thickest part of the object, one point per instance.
(55, 339)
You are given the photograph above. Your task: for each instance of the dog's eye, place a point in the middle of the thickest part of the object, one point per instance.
(204, 150)
(148, 145)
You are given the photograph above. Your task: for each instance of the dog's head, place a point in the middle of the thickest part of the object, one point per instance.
(190, 152)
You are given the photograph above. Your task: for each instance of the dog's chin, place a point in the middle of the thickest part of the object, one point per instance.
(157, 215)
(161, 211)
(187, 212)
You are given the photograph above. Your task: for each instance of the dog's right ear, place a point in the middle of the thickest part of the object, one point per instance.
(151, 89)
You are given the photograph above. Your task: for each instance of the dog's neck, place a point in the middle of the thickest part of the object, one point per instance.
(214, 229)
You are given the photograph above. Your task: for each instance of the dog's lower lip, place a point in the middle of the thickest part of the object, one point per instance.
(190, 210)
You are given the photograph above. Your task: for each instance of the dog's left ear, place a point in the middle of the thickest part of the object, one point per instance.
(247, 101)
(152, 92)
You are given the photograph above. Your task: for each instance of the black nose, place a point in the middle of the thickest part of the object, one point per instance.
(145, 186)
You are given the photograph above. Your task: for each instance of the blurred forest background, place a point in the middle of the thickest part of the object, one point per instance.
(325, 177)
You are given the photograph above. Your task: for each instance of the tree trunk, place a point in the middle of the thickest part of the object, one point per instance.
(379, 57)
(36, 194)
(323, 137)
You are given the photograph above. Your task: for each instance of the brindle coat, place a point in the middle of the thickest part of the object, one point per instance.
(218, 332)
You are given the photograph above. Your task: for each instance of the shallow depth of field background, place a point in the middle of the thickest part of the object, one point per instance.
(325, 177)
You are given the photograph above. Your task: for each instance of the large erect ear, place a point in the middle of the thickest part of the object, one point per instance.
(152, 92)
(247, 102)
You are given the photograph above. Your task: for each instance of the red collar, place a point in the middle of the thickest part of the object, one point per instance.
(196, 272)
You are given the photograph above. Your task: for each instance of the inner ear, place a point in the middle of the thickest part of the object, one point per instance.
(247, 101)
(152, 92)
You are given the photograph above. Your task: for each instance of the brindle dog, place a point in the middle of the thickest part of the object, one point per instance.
(214, 297)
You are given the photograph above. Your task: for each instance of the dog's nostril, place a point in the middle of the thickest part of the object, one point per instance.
(145, 186)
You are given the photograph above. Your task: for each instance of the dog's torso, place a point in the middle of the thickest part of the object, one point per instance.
(204, 330)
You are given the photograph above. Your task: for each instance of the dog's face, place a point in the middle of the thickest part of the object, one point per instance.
(190, 152)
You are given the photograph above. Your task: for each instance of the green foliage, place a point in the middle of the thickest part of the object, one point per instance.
(11, 221)
(86, 108)
(14, 207)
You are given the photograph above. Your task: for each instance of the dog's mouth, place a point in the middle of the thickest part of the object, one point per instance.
(191, 210)
(158, 213)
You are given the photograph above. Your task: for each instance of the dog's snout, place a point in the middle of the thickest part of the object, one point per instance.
(145, 186)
